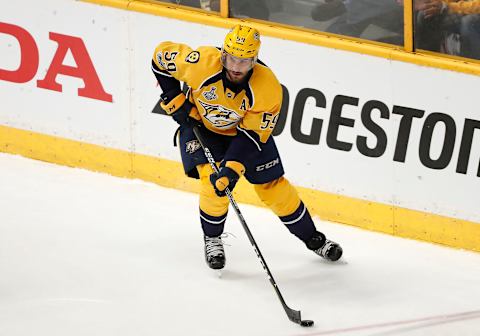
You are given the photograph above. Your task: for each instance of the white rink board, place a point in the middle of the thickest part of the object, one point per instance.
(120, 44)
(65, 114)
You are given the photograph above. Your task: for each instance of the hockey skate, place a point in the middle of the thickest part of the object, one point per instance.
(325, 248)
(214, 253)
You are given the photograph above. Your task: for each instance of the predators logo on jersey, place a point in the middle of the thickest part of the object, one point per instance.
(220, 116)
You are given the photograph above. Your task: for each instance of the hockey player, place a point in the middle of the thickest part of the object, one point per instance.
(236, 99)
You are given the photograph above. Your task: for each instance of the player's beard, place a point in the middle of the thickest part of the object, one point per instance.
(236, 77)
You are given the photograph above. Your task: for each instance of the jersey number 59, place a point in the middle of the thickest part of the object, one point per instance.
(268, 120)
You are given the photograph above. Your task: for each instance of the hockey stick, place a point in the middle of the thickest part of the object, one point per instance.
(293, 315)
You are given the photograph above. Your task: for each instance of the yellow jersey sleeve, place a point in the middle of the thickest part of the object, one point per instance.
(267, 93)
(186, 64)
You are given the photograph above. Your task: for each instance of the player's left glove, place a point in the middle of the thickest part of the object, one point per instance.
(227, 177)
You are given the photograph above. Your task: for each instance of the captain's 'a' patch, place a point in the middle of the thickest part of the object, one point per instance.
(243, 106)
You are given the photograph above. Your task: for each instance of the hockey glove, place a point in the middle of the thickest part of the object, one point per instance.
(181, 110)
(227, 177)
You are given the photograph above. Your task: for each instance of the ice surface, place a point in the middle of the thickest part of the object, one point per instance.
(84, 253)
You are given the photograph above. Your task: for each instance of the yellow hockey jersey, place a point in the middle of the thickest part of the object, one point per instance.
(254, 105)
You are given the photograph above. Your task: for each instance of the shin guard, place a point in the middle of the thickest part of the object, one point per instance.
(300, 223)
(213, 209)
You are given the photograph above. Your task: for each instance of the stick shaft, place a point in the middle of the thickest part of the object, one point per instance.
(293, 315)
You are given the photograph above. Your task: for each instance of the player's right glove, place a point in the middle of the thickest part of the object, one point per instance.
(227, 177)
(181, 110)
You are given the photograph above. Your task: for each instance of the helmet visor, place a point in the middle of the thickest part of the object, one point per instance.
(237, 64)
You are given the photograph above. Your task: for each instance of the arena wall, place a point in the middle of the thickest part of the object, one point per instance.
(373, 142)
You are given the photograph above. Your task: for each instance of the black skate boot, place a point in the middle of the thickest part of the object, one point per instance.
(214, 253)
(323, 247)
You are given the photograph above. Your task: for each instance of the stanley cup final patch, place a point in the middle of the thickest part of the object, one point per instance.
(210, 95)
(192, 146)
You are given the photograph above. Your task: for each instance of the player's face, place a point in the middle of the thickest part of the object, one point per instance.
(237, 68)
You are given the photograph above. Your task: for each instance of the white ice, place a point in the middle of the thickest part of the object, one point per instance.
(84, 253)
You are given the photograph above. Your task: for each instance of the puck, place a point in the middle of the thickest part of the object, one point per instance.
(306, 323)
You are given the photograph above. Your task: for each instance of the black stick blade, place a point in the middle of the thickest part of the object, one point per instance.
(296, 317)
(293, 315)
